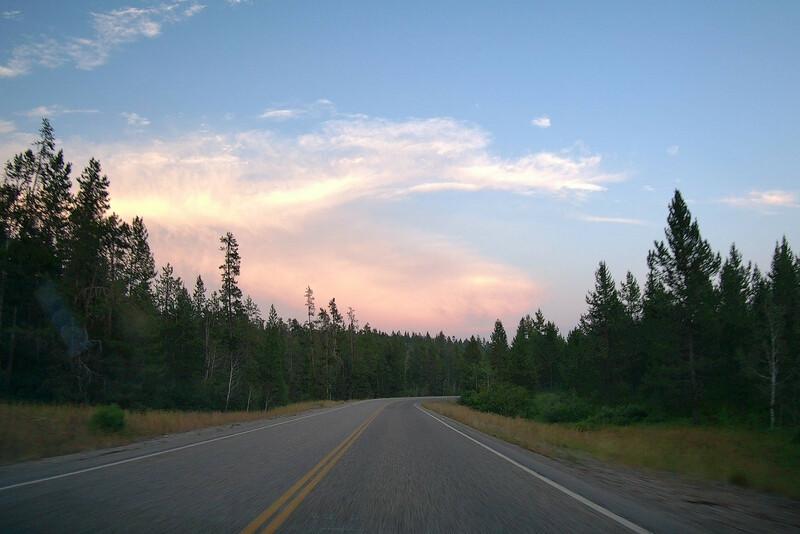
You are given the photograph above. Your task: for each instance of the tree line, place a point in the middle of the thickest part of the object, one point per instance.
(85, 316)
(707, 339)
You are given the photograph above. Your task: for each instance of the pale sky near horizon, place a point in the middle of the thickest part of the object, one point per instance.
(433, 165)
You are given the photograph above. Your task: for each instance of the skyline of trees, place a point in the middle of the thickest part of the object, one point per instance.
(85, 316)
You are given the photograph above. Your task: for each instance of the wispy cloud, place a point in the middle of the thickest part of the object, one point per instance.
(112, 29)
(280, 114)
(303, 208)
(673, 150)
(612, 220)
(319, 108)
(275, 180)
(12, 15)
(53, 111)
(135, 120)
(765, 201)
(541, 122)
(6, 126)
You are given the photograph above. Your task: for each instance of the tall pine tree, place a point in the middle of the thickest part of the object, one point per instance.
(685, 265)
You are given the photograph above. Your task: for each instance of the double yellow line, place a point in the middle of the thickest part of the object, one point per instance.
(303, 487)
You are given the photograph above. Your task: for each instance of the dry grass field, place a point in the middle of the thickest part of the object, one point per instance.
(762, 460)
(32, 431)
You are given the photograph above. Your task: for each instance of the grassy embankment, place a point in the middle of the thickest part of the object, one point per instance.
(31, 431)
(768, 461)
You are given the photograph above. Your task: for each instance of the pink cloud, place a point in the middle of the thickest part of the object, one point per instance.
(294, 206)
(764, 200)
(395, 282)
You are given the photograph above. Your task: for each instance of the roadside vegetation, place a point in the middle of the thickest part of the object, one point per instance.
(760, 459)
(33, 431)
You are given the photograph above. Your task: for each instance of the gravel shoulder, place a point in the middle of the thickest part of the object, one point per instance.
(709, 506)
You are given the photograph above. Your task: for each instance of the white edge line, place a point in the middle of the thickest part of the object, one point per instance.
(159, 453)
(593, 505)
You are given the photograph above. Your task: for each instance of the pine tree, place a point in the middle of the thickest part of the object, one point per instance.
(272, 377)
(88, 268)
(140, 265)
(231, 300)
(685, 265)
(230, 294)
(167, 287)
(605, 307)
(777, 305)
(55, 200)
(519, 368)
(498, 348)
(736, 332)
(631, 297)
(310, 308)
(602, 325)
(199, 297)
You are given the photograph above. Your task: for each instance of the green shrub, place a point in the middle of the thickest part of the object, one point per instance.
(627, 414)
(502, 399)
(108, 419)
(558, 408)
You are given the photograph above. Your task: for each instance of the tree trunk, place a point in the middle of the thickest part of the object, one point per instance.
(773, 377)
(3, 285)
(11, 342)
(230, 384)
(209, 355)
(693, 379)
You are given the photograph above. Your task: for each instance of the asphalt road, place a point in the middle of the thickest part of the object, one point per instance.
(372, 466)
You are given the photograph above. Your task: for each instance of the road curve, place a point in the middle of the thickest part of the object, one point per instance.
(383, 465)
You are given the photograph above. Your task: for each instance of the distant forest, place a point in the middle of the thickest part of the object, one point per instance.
(85, 316)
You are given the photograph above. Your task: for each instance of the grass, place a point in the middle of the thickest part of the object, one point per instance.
(767, 461)
(33, 431)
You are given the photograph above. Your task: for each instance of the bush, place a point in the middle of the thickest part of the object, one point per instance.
(624, 415)
(557, 408)
(108, 419)
(502, 399)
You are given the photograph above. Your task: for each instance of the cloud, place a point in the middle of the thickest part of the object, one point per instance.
(392, 277)
(6, 126)
(764, 200)
(257, 178)
(112, 29)
(135, 120)
(280, 114)
(12, 15)
(308, 210)
(614, 220)
(541, 122)
(319, 108)
(673, 150)
(53, 111)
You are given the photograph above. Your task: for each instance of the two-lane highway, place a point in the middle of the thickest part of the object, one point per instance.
(374, 466)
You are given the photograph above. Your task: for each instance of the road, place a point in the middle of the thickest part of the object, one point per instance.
(373, 466)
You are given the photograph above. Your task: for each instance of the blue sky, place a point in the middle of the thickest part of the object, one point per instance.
(434, 165)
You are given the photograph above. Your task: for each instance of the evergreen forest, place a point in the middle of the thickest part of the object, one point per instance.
(86, 316)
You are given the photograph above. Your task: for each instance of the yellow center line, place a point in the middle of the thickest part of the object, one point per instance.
(320, 470)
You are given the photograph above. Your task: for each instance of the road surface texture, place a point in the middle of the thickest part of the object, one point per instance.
(373, 466)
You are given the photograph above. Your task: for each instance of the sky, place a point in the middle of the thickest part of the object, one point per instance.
(433, 165)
